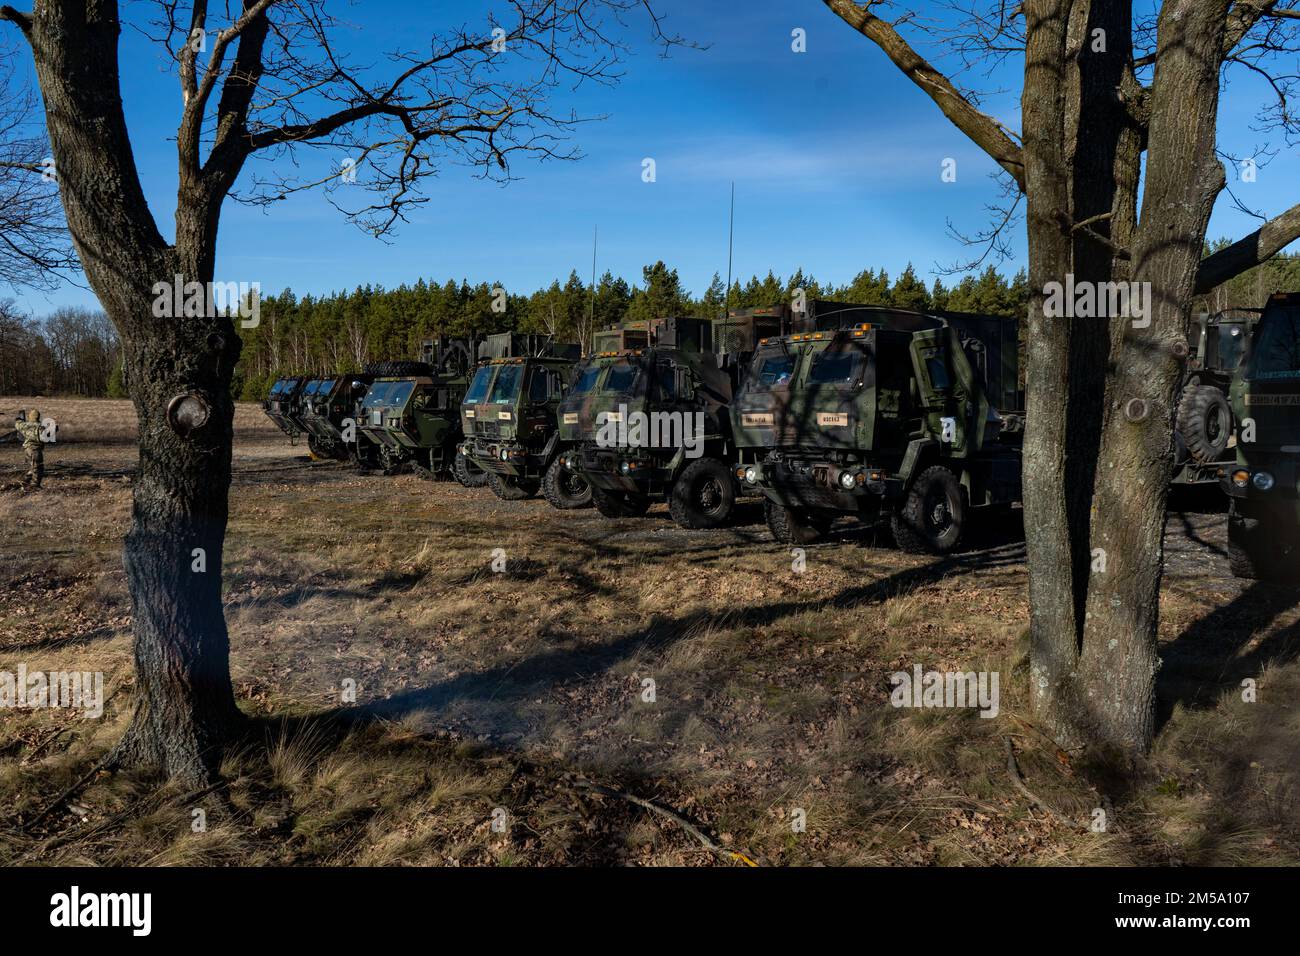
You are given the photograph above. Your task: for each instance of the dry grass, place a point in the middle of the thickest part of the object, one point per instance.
(483, 695)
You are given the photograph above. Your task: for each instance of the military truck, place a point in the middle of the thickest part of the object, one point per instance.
(883, 413)
(411, 413)
(647, 416)
(1264, 485)
(509, 419)
(328, 410)
(1204, 420)
(282, 404)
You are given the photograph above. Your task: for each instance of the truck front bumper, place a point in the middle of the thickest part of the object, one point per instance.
(821, 485)
(610, 469)
(503, 458)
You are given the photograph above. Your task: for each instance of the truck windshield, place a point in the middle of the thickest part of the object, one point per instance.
(1277, 346)
(376, 397)
(586, 379)
(623, 377)
(834, 367)
(1232, 342)
(478, 388)
(506, 387)
(399, 393)
(772, 368)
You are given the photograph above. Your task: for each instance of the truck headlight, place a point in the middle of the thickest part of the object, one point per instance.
(1262, 480)
(624, 468)
(751, 474)
(504, 454)
(846, 479)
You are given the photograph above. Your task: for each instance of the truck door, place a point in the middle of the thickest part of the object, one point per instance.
(937, 391)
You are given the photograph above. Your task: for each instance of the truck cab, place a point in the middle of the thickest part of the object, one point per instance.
(1204, 422)
(329, 406)
(509, 416)
(892, 415)
(411, 411)
(647, 418)
(1264, 486)
(283, 404)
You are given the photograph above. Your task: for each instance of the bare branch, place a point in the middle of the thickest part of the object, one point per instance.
(985, 131)
(22, 20)
(1256, 248)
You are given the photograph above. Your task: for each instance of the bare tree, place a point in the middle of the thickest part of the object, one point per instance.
(259, 79)
(35, 250)
(1102, 92)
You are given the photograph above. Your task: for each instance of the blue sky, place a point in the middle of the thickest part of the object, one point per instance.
(835, 155)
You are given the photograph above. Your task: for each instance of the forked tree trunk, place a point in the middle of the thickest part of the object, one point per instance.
(1097, 478)
(184, 703)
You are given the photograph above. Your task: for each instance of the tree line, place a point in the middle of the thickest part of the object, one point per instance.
(75, 351)
(71, 351)
(345, 331)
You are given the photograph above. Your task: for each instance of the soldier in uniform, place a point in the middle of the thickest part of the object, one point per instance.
(29, 430)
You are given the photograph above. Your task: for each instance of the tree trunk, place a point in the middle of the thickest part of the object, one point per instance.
(184, 702)
(1096, 485)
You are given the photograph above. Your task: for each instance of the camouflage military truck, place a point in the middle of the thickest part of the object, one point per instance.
(1204, 421)
(509, 419)
(329, 415)
(882, 413)
(283, 404)
(411, 413)
(647, 417)
(1264, 486)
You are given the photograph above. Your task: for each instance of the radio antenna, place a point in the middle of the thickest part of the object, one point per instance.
(731, 235)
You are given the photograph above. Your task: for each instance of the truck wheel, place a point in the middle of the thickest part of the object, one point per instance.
(795, 527)
(467, 473)
(618, 504)
(703, 495)
(933, 516)
(509, 488)
(1204, 422)
(565, 489)
(1257, 552)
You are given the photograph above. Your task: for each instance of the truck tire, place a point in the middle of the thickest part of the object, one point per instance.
(704, 495)
(1256, 552)
(467, 473)
(565, 489)
(795, 527)
(1204, 422)
(618, 504)
(396, 369)
(508, 488)
(933, 516)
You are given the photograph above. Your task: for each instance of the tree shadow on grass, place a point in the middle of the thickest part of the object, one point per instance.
(1205, 660)
(584, 659)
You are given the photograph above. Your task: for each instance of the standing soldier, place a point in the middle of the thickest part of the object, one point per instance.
(29, 431)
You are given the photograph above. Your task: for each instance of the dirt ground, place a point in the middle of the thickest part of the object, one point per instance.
(521, 672)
